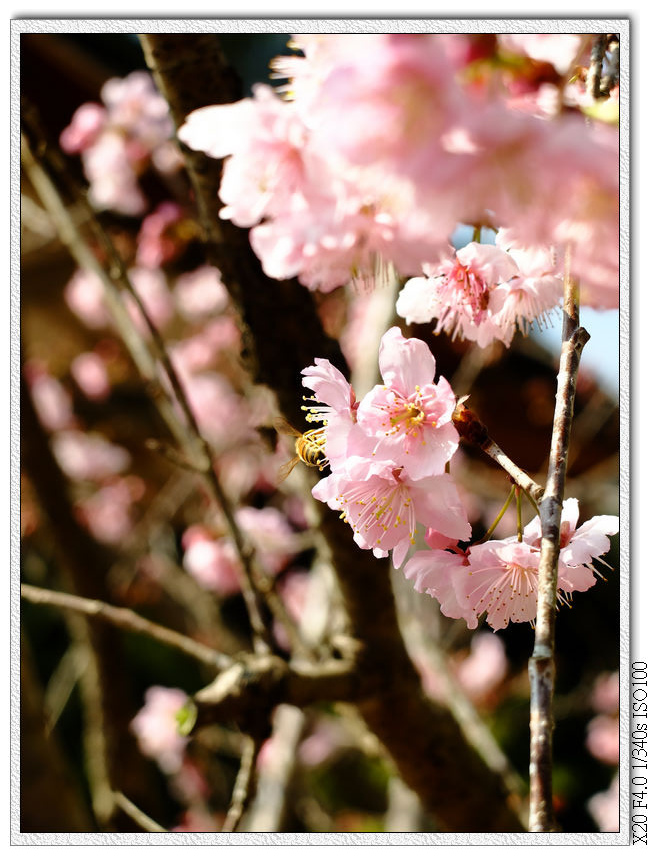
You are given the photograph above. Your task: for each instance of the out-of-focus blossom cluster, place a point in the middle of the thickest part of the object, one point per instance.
(379, 145)
(603, 742)
(120, 138)
(387, 455)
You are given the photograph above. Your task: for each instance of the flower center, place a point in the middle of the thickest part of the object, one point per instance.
(467, 288)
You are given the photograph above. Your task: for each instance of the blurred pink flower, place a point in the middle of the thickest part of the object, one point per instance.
(107, 512)
(213, 562)
(269, 532)
(156, 728)
(157, 242)
(88, 456)
(89, 371)
(603, 739)
(86, 125)
(52, 401)
(200, 293)
(84, 294)
(605, 695)
(485, 666)
(605, 807)
(151, 287)
(109, 168)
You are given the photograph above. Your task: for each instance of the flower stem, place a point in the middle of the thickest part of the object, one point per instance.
(499, 516)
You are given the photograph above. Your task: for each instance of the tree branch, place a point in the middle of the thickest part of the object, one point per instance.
(541, 666)
(127, 620)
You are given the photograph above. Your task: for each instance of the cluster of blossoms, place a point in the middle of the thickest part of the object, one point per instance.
(388, 455)
(439, 130)
(119, 139)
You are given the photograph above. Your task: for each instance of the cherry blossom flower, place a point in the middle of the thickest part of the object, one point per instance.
(485, 666)
(602, 741)
(383, 505)
(159, 240)
(335, 409)
(409, 417)
(605, 807)
(84, 294)
(88, 456)
(200, 293)
(156, 728)
(578, 547)
(268, 530)
(86, 124)
(264, 141)
(89, 371)
(435, 572)
(213, 562)
(52, 402)
(459, 293)
(151, 287)
(107, 513)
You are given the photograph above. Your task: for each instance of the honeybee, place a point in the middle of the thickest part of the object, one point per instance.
(310, 447)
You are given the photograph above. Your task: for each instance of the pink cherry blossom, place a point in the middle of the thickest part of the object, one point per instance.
(52, 401)
(384, 506)
(268, 530)
(88, 456)
(89, 371)
(158, 241)
(151, 287)
(200, 293)
(107, 513)
(86, 124)
(335, 409)
(603, 733)
(410, 417)
(458, 292)
(578, 547)
(109, 168)
(485, 666)
(156, 728)
(501, 580)
(436, 572)
(605, 807)
(401, 84)
(213, 562)
(605, 696)
(84, 294)
(264, 141)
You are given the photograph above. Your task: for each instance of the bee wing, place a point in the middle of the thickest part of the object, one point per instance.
(286, 468)
(284, 427)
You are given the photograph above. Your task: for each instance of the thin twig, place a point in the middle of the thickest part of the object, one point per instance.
(127, 620)
(131, 809)
(243, 786)
(475, 432)
(541, 665)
